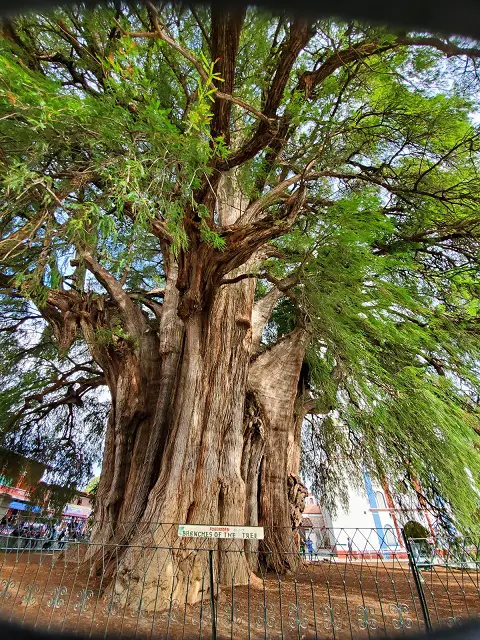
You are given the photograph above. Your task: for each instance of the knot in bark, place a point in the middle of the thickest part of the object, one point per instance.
(190, 305)
(297, 492)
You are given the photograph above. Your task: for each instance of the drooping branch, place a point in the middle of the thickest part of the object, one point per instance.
(15, 242)
(38, 405)
(8, 31)
(16, 239)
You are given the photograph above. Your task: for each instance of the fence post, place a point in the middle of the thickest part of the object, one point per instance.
(212, 595)
(418, 583)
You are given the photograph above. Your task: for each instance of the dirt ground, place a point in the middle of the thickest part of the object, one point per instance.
(337, 599)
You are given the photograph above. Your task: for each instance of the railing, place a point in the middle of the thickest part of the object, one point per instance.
(448, 571)
(359, 584)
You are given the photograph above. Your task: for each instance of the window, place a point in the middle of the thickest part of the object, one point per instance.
(390, 537)
(380, 500)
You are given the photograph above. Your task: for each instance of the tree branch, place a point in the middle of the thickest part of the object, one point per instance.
(188, 55)
(226, 29)
(298, 37)
(243, 241)
(155, 307)
(134, 320)
(243, 276)
(278, 193)
(208, 39)
(311, 79)
(448, 48)
(262, 310)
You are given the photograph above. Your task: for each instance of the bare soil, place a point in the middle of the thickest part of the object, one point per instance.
(337, 599)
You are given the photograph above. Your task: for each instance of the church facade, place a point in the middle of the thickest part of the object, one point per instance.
(372, 526)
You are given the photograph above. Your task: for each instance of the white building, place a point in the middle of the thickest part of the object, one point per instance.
(372, 525)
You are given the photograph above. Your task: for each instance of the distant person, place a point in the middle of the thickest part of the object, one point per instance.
(29, 535)
(310, 548)
(4, 524)
(350, 546)
(62, 539)
(50, 535)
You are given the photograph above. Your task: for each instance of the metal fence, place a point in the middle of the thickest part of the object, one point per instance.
(357, 583)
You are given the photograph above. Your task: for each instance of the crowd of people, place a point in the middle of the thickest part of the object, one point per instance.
(40, 535)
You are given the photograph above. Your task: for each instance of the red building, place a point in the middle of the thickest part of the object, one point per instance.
(21, 479)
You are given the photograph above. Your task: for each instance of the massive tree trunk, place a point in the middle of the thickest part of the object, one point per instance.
(201, 480)
(225, 450)
(186, 460)
(202, 426)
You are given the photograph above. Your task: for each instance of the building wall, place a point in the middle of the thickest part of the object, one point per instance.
(82, 500)
(19, 472)
(10, 497)
(371, 523)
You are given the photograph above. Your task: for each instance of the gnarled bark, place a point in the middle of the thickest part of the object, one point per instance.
(273, 379)
(122, 496)
(200, 430)
(220, 446)
(200, 480)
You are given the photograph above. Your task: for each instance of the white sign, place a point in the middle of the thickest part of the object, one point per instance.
(221, 532)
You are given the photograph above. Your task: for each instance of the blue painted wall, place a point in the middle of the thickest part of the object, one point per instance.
(376, 517)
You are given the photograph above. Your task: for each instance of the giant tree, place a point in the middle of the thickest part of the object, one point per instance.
(201, 206)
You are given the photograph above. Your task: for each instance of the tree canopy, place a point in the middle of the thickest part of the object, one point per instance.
(353, 153)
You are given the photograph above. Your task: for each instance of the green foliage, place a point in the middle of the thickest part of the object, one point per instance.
(200, 116)
(106, 147)
(92, 485)
(92, 489)
(122, 147)
(107, 337)
(414, 529)
(392, 362)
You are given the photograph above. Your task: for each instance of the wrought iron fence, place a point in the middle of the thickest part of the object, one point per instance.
(448, 575)
(355, 583)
